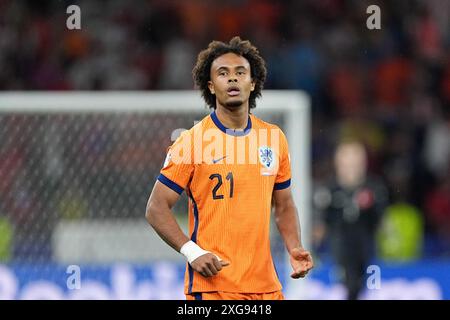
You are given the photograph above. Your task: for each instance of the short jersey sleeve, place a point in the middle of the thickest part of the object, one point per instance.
(179, 165)
(283, 179)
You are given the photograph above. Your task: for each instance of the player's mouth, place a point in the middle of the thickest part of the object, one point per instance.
(233, 91)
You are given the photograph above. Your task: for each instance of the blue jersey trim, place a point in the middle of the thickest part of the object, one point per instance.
(282, 185)
(198, 296)
(231, 132)
(172, 185)
(191, 278)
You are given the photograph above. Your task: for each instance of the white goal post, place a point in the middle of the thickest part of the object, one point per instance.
(293, 106)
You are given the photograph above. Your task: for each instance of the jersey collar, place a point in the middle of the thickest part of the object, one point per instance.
(231, 132)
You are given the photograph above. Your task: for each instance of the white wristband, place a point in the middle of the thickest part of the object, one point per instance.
(192, 251)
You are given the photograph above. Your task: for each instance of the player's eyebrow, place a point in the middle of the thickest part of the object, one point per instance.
(226, 68)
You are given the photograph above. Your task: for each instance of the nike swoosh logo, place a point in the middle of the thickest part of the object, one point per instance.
(215, 161)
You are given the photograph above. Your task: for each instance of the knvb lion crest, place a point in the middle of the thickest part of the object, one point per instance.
(266, 157)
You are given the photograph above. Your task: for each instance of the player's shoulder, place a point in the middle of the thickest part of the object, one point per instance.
(258, 123)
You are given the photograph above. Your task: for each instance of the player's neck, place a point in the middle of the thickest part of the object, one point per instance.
(233, 119)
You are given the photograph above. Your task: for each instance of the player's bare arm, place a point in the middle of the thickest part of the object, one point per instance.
(286, 218)
(160, 216)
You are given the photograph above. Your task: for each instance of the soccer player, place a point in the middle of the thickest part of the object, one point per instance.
(234, 167)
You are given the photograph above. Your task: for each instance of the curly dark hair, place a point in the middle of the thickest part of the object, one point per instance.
(202, 69)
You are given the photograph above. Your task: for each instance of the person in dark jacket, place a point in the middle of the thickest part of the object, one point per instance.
(355, 203)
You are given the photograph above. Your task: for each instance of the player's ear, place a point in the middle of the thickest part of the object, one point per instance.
(211, 87)
(253, 86)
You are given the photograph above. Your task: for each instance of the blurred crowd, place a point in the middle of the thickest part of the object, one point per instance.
(388, 88)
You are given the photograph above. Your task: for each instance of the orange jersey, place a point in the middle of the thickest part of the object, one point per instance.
(229, 177)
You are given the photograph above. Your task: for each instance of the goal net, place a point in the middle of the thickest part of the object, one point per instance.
(76, 170)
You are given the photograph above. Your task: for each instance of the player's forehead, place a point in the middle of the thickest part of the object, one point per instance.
(230, 60)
